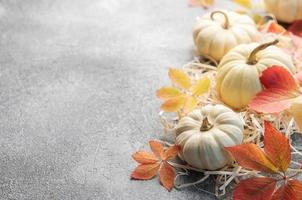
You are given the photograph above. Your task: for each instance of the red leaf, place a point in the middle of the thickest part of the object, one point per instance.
(272, 101)
(167, 176)
(144, 157)
(276, 147)
(255, 189)
(281, 90)
(157, 148)
(278, 77)
(251, 157)
(171, 152)
(296, 28)
(145, 171)
(292, 190)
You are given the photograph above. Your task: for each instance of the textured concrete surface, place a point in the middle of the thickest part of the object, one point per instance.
(77, 85)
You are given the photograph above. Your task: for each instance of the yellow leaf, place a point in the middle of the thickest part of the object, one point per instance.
(179, 78)
(245, 3)
(166, 93)
(173, 105)
(190, 104)
(201, 87)
(202, 3)
(296, 111)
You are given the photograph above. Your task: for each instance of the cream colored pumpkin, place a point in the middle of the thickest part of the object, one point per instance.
(285, 10)
(239, 71)
(204, 133)
(216, 33)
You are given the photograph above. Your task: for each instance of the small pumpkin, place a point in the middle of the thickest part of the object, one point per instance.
(285, 10)
(239, 71)
(205, 132)
(216, 33)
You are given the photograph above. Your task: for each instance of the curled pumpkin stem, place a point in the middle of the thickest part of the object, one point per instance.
(252, 58)
(226, 22)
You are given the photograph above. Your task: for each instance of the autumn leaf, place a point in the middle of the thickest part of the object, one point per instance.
(274, 27)
(171, 152)
(150, 163)
(145, 171)
(184, 100)
(280, 91)
(190, 104)
(276, 147)
(251, 157)
(201, 87)
(179, 78)
(167, 176)
(144, 157)
(255, 188)
(292, 190)
(157, 148)
(173, 105)
(202, 3)
(296, 111)
(166, 93)
(245, 3)
(296, 28)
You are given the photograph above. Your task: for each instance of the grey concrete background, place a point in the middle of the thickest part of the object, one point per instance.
(77, 94)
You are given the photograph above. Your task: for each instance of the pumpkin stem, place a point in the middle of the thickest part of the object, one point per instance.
(205, 125)
(252, 58)
(226, 22)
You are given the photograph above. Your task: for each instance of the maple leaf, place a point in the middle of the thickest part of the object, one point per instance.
(183, 98)
(255, 188)
(150, 163)
(276, 147)
(251, 157)
(292, 190)
(296, 28)
(280, 91)
(202, 3)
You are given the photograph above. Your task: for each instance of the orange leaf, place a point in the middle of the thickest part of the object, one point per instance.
(171, 152)
(157, 148)
(296, 28)
(278, 77)
(202, 3)
(274, 27)
(166, 93)
(190, 104)
(145, 171)
(173, 105)
(167, 176)
(251, 157)
(179, 78)
(276, 147)
(143, 157)
(281, 90)
(255, 189)
(292, 190)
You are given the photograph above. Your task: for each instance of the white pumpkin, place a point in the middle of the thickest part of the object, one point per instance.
(204, 133)
(285, 10)
(216, 33)
(239, 71)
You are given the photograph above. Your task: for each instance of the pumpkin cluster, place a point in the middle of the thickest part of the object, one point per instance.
(258, 71)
